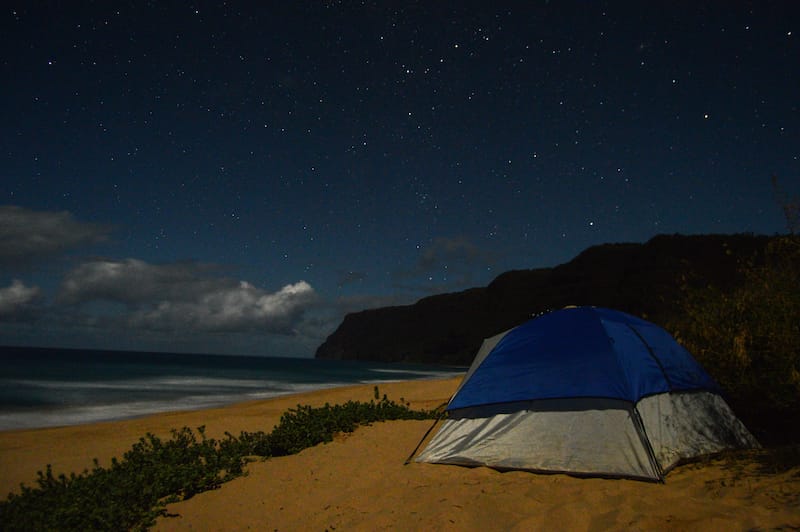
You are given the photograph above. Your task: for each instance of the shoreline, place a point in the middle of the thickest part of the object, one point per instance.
(60, 387)
(72, 448)
(210, 405)
(359, 480)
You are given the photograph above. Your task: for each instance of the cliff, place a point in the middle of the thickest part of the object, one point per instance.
(642, 279)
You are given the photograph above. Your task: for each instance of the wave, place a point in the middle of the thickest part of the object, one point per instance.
(155, 383)
(58, 388)
(28, 418)
(405, 374)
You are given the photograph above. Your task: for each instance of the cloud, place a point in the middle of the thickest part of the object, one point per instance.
(185, 296)
(27, 235)
(17, 301)
(443, 251)
(347, 277)
(451, 262)
(243, 308)
(133, 282)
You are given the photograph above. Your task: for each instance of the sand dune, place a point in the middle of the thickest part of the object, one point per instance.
(359, 482)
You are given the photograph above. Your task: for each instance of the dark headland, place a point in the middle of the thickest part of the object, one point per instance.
(642, 279)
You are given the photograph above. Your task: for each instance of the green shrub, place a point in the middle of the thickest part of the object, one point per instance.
(133, 492)
(748, 338)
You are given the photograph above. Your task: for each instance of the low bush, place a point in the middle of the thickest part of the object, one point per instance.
(134, 491)
(748, 338)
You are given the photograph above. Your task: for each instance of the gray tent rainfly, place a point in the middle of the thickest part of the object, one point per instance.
(585, 391)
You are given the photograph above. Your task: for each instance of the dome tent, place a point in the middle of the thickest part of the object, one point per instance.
(585, 391)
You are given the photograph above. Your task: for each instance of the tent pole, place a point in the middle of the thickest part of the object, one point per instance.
(414, 452)
(646, 442)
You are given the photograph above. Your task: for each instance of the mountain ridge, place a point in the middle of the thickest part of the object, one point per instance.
(642, 279)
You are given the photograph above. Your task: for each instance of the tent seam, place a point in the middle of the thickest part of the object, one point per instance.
(653, 356)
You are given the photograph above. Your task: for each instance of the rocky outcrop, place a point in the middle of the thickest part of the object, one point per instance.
(642, 279)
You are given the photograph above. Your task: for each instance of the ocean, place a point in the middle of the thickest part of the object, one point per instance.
(42, 387)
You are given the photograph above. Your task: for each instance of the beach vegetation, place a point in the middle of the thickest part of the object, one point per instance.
(748, 337)
(134, 491)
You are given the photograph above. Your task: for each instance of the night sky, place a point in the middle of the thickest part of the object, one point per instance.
(235, 177)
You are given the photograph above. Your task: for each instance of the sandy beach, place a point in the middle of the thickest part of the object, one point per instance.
(359, 482)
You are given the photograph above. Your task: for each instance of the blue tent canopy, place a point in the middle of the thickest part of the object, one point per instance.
(585, 391)
(580, 353)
